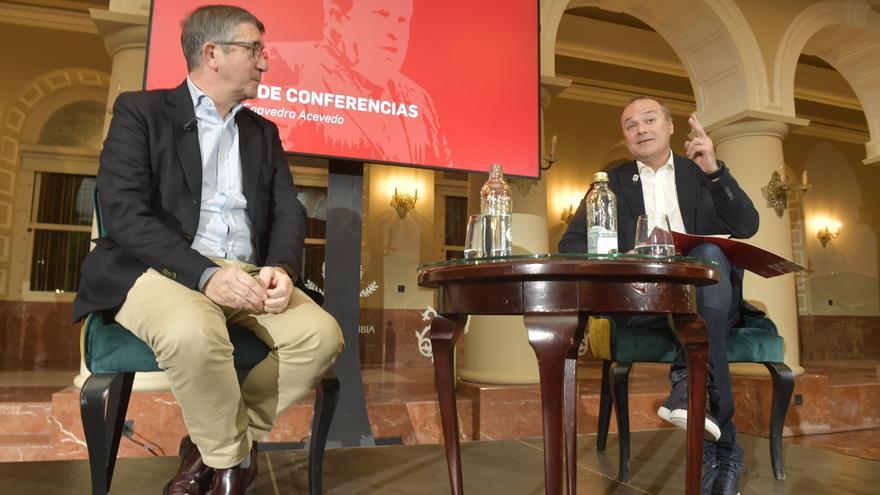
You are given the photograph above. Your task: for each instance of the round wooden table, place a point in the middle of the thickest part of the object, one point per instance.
(556, 294)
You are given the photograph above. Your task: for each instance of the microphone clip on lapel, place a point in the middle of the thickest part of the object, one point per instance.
(191, 125)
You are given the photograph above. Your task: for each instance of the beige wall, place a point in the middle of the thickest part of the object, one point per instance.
(844, 190)
(832, 147)
(765, 20)
(28, 54)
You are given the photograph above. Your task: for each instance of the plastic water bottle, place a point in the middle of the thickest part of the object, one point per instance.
(496, 207)
(601, 217)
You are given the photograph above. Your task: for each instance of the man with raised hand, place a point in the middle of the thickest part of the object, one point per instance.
(700, 196)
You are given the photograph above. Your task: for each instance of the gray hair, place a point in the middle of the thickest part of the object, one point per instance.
(211, 23)
(646, 97)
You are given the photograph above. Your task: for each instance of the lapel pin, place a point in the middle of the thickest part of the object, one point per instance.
(635, 178)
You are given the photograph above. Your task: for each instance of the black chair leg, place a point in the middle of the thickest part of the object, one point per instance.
(604, 406)
(325, 405)
(783, 386)
(103, 403)
(620, 390)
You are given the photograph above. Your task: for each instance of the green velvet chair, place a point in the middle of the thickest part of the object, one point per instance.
(113, 355)
(757, 341)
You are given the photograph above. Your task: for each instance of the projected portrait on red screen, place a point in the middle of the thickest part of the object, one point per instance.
(428, 83)
(355, 99)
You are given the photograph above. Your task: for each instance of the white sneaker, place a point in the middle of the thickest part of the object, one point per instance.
(679, 417)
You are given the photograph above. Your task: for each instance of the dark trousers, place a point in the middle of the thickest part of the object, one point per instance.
(719, 305)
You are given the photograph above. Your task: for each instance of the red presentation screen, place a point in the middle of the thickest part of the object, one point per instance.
(442, 84)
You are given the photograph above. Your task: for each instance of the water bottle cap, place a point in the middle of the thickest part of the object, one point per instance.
(600, 177)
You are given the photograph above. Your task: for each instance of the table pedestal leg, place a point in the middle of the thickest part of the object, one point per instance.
(444, 332)
(691, 333)
(552, 337)
(570, 398)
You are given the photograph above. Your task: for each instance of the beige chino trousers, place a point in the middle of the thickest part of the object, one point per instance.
(187, 332)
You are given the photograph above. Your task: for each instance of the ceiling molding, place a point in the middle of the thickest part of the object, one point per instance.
(600, 41)
(826, 86)
(606, 93)
(615, 94)
(826, 98)
(598, 54)
(49, 18)
(834, 133)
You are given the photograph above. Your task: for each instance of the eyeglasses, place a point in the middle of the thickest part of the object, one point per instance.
(256, 47)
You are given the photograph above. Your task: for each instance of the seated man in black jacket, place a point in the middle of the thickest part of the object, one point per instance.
(203, 229)
(700, 196)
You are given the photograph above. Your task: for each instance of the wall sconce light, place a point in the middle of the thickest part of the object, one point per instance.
(825, 234)
(403, 202)
(779, 191)
(551, 158)
(567, 214)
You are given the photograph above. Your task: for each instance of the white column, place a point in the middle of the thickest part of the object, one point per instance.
(753, 150)
(125, 37)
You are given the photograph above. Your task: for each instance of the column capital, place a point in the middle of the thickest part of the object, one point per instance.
(747, 121)
(551, 87)
(747, 128)
(872, 152)
(120, 30)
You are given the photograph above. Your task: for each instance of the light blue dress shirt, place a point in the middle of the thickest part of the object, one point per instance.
(224, 230)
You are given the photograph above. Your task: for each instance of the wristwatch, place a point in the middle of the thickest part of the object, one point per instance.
(716, 174)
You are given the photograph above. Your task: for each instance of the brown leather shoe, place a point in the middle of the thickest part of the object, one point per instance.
(235, 480)
(193, 477)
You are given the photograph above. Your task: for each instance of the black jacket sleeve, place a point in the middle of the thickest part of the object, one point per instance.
(125, 186)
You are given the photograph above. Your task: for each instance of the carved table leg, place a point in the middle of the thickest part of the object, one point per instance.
(570, 398)
(691, 333)
(444, 332)
(552, 337)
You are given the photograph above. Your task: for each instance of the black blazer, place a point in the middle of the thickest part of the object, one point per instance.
(149, 193)
(707, 207)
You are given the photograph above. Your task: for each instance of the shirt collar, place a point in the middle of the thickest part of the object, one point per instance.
(670, 165)
(203, 102)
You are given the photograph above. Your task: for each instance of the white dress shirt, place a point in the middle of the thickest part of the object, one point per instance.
(659, 193)
(224, 230)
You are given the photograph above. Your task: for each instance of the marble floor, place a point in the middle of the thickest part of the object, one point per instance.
(508, 467)
(391, 388)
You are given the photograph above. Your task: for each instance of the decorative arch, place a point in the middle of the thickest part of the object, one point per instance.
(711, 38)
(23, 113)
(551, 17)
(807, 23)
(846, 35)
(35, 103)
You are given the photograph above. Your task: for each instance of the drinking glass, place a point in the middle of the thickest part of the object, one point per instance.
(653, 235)
(473, 238)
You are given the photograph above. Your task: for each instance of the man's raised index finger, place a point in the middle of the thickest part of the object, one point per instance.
(696, 126)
